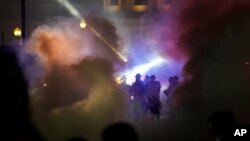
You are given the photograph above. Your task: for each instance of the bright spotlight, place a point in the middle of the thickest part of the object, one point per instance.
(142, 69)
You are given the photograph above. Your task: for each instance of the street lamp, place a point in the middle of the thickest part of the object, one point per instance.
(83, 24)
(17, 32)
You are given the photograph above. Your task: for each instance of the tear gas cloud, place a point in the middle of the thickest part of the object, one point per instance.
(213, 36)
(75, 81)
(215, 40)
(58, 44)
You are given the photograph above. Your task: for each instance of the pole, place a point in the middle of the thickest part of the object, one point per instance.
(2, 36)
(23, 19)
(23, 29)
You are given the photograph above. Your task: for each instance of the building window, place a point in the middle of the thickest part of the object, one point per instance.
(139, 5)
(140, 2)
(112, 5)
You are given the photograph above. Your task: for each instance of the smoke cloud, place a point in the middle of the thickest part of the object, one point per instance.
(74, 93)
(211, 38)
(213, 35)
(215, 39)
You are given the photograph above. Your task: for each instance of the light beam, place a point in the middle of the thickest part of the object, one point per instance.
(107, 43)
(70, 8)
(76, 14)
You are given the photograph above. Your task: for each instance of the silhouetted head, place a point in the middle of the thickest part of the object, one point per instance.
(152, 78)
(171, 80)
(76, 139)
(120, 132)
(176, 78)
(147, 78)
(138, 76)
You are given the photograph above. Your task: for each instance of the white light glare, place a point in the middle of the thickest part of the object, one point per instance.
(142, 69)
(71, 8)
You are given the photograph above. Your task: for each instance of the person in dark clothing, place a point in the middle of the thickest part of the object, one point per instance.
(168, 92)
(153, 96)
(16, 123)
(125, 87)
(173, 82)
(176, 80)
(137, 89)
(138, 92)
(146, 80)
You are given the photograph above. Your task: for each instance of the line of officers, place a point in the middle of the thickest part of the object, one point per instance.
(145, 95)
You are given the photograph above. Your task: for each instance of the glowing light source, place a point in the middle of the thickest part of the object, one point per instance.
(83, 24)
(247, 63)
(17, 32)
(139, 8)
(44, 84)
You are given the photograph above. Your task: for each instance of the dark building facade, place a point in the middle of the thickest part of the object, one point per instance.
(127, 13)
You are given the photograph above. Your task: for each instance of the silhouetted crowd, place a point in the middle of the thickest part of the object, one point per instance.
(145, 94)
